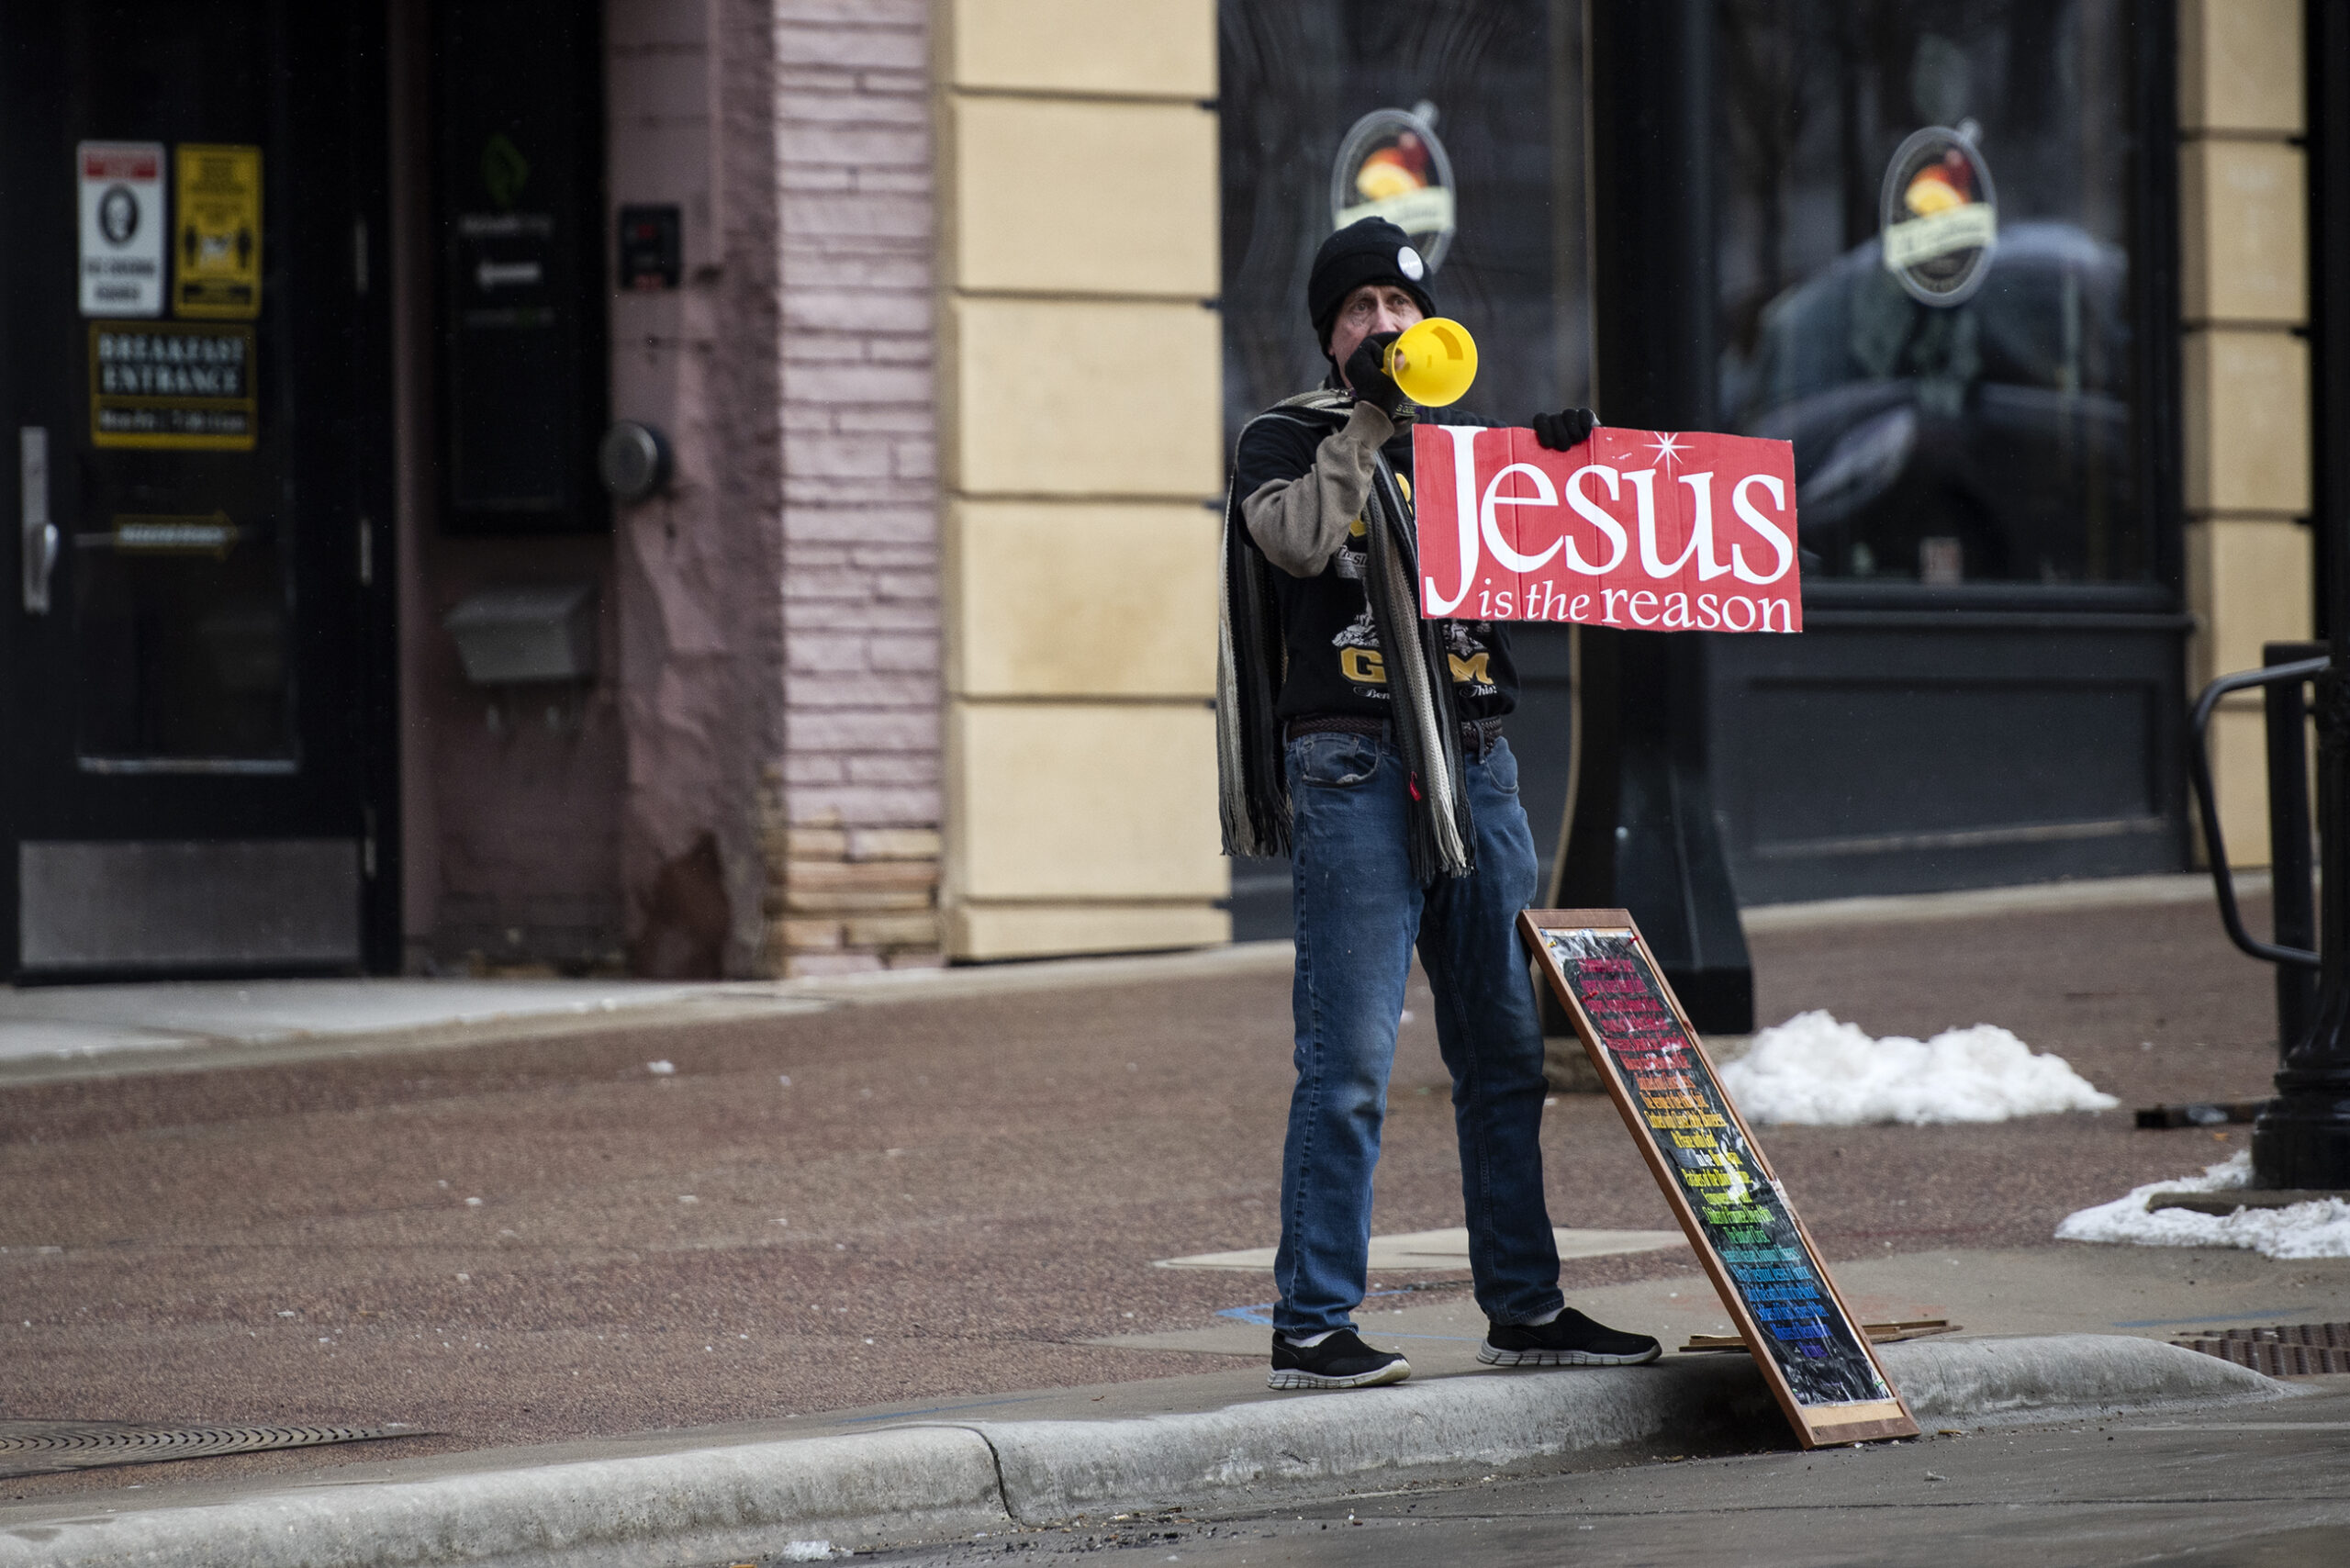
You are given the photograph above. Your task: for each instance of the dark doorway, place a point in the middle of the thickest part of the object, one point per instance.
(198, 773)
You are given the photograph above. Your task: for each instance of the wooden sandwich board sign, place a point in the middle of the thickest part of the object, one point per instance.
(1813, 1352)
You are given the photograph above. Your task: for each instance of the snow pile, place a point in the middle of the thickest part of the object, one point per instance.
(1817, 1072)
(2317, 1229)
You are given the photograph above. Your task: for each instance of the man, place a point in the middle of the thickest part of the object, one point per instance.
(1367, 743)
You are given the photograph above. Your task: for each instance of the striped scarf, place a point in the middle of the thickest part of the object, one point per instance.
(1252, 662)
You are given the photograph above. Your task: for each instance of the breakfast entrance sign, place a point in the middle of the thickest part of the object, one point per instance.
(1813, 1352)
(1652, 530)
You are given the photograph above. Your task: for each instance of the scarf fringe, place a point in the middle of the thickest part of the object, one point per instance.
(1252, 785)
(1442, 841)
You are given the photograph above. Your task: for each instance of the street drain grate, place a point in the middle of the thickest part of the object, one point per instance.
(2290, 1350)
(43, 1448)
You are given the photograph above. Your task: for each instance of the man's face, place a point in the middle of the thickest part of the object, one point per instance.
(1373, 307)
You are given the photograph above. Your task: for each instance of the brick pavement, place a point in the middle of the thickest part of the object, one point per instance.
(944, 1198)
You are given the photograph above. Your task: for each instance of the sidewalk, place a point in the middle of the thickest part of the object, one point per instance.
(48, 1033)
(943, 1196)
(52, 1033)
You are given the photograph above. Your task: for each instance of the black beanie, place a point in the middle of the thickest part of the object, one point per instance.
(1370, 250)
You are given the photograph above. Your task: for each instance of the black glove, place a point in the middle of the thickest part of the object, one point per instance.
(1366, 375)
(1570, 427)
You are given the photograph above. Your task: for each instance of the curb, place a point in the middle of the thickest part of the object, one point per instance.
(1442, 1430)
(696, 1508)
(1459, 1427)
(930, 1481)
(1990, 1381)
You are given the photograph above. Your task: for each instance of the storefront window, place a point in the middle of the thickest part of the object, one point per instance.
(1972, 417)
(1495, 81)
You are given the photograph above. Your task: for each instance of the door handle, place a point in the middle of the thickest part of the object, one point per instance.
(39, 533)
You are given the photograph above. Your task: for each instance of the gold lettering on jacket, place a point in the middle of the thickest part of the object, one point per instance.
(1364, 665)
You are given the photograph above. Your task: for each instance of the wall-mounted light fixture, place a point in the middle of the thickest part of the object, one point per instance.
(633, 460)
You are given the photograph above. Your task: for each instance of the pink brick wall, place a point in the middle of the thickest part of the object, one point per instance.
(850, 802)
(689, 95)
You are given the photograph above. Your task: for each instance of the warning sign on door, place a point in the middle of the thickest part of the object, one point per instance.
(123, 227)
(219, 241)
(172, 386)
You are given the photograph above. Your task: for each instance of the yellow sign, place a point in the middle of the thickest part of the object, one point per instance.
(172, 386)
(217, 250)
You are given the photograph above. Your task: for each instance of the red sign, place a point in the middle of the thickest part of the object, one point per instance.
(1637, 528)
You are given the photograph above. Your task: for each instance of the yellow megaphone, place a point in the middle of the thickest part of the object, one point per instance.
(1433, 361)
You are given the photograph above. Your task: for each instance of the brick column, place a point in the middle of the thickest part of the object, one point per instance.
(849, 810)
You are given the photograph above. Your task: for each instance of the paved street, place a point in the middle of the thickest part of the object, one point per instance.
(2265, 1490)
(934, 1200)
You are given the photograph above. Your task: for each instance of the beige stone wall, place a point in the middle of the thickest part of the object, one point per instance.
(2243, 290)
(1080, 444)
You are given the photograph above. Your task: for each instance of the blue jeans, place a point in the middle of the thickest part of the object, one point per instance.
(1359, 913)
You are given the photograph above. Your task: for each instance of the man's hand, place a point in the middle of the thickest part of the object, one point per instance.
(1570, 427)
(1366, 375)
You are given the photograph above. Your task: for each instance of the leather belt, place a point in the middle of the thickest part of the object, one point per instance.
(1477, 735)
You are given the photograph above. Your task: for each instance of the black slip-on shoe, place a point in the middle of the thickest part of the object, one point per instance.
(1570, 1339)
(1342, 1360)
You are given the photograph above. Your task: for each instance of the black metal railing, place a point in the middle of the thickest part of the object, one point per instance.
(2288, 667)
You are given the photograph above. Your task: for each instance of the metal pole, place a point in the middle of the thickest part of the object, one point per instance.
(2294, 921)
(2303, 1140)
(1643, 835)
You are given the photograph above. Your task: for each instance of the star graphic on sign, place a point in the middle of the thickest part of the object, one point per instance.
(1667, 447)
